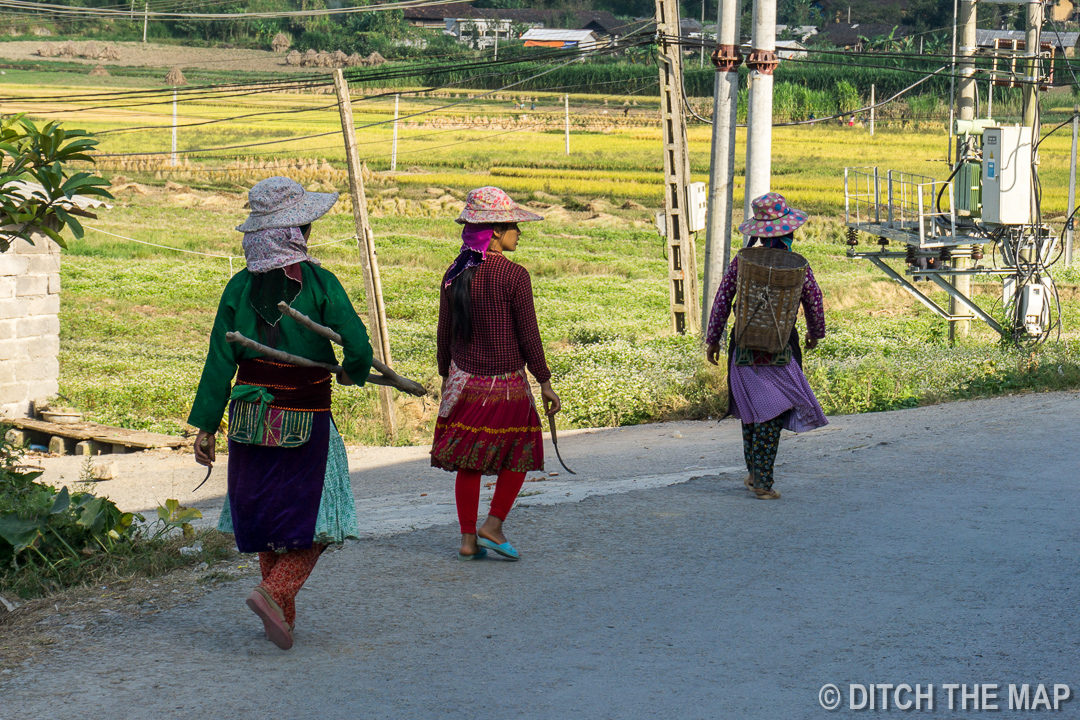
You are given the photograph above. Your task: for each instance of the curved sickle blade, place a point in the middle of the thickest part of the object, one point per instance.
(208, 471)
(555, 442)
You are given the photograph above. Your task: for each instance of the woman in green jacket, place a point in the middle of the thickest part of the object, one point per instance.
(289, 494)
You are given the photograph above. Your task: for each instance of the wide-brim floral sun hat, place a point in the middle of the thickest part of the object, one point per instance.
(279, 202)
(491, 205)
(772, 217)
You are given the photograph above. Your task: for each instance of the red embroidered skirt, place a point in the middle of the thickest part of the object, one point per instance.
(492, 426)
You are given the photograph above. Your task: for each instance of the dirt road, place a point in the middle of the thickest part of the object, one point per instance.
(935, 545)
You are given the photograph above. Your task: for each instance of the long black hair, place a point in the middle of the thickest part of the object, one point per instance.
(461, 298)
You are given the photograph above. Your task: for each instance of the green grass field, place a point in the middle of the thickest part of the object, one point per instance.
(135, 318)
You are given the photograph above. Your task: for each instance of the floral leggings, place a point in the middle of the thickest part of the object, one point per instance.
(760, 443)
(285, 573)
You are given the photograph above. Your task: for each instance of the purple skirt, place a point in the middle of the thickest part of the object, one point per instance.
(763, 392)
(274, 492)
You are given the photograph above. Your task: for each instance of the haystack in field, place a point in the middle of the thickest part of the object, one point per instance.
(375, 59)
(354, 60)
(323, 60)
(294, 58)
(99, 71)
(90, 51)
(48, 50)
(110, 53)
(309, 59)
(338, 58)
(68, 50)
(280, 43)
(175, 77)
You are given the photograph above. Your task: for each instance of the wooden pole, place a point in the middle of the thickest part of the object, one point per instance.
(873, 102)
(365, 240)
(566, 106)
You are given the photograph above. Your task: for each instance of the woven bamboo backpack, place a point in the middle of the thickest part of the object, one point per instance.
(769, 288)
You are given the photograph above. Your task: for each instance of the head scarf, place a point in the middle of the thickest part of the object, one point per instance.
(474, 244)
(780, 242)
(266, 250)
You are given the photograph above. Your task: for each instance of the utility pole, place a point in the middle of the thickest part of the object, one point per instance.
(762, 62)
(145, 19)
(566, 108)
(1032, 48)
(965, 102)
(393, 150)
(682, 258)
(727, 59)
(174, 127)
(701, 60)
(369, 261)
(873, 102)
(1072, 188)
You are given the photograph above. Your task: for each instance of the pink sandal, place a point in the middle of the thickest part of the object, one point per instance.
(274, 625)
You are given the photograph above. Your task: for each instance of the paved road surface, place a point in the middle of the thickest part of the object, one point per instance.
(936, 545)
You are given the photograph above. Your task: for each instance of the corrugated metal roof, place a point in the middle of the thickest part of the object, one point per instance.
(556, 34)
(985, 38)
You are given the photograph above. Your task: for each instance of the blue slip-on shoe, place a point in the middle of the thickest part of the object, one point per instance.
(506, 549)
(478, 555)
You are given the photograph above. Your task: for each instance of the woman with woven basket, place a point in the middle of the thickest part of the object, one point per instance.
(766, 386)
(487, 335)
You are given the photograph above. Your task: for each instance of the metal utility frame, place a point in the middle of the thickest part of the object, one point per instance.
(985, 219)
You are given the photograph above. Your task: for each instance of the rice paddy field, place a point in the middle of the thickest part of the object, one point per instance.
(135, 317)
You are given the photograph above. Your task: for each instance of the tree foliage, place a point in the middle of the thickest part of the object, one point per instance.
(43, 156)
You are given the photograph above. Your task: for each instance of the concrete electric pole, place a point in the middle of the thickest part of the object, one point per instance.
(761, 63)
(965, 112)
(727, 59)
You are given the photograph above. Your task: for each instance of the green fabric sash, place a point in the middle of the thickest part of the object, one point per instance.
(258, 395)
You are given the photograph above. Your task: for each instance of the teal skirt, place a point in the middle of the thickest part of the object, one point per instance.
(337, 509)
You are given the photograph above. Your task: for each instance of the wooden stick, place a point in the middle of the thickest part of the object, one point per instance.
(399, 381)
(365, 238)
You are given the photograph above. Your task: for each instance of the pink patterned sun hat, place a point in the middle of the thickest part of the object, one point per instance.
(772, 217)
(492, 205)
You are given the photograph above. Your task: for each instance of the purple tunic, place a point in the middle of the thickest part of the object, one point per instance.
(274, 492)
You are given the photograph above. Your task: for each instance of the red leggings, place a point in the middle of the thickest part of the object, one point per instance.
(285, 573)
(467, 493)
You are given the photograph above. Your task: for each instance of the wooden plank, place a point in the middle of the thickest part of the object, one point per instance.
(105, 434)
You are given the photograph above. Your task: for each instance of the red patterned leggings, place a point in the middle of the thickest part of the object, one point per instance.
(467, 493)
(285, 573)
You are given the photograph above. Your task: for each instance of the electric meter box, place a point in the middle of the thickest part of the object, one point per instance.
(697, 202)
(1006, 175)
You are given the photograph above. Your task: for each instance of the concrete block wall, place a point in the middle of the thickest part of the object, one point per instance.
(29, 324)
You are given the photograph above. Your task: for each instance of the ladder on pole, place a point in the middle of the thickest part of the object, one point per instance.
(682, 258)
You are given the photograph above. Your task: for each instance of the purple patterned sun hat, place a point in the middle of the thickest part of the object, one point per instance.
(278, 202)
(491, 205)
(772, 217)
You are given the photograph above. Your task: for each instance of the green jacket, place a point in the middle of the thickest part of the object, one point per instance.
(322, 298)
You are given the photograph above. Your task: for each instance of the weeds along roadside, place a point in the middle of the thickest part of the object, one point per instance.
(52, 539)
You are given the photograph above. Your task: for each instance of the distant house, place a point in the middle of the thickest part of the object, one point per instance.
(788, 49)
(1064, 43)
(785, 49)
(439, 17)
(799, 31)
(1062, 11)
(479, 32)
(850, 35)
(434, 17)
(555, 38)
